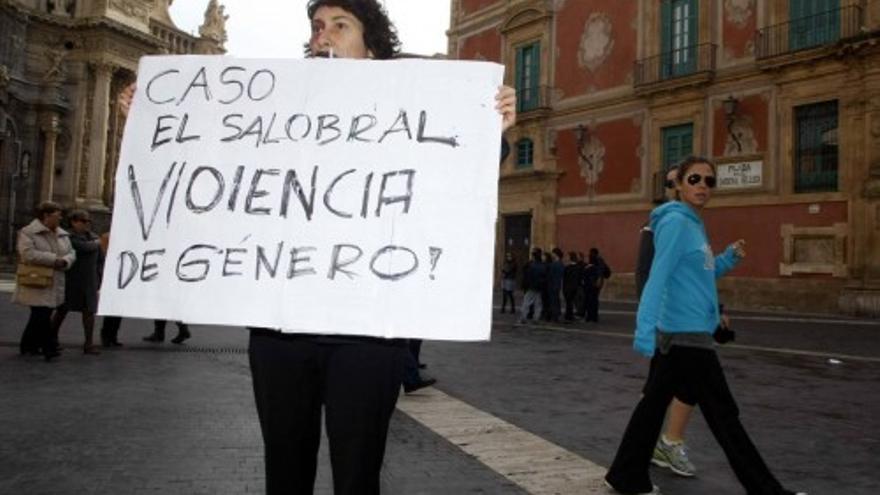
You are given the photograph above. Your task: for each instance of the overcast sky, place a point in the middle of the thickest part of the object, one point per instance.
(278, 28)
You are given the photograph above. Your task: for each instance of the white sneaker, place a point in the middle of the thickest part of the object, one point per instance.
(673, 456)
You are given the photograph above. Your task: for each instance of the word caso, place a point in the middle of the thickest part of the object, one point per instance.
(258, 86)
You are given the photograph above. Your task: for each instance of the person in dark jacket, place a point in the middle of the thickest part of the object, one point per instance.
(595, 274)
(534, 283)
(81, 286)
(580, 303)
(508, 283)
(571, 282)
(109, 324)
(555, 276)
(646, 235)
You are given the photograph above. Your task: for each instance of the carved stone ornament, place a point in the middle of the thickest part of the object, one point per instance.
(55, 73)
(594, 164)
(131, 8)
(597, 41)
(4, 76)
(742, 129)
(739, 11)
(61, 7)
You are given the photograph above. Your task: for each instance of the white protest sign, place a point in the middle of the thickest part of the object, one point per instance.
(317, 196)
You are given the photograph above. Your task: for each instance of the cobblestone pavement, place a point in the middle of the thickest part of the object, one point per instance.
(180, 419)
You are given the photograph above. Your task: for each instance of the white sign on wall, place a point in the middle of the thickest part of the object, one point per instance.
(318, 196)
(740, 175)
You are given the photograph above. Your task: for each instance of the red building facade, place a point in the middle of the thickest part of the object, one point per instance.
(783, 95)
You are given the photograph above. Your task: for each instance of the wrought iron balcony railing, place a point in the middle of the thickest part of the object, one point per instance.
(681, 62)
(825, 28)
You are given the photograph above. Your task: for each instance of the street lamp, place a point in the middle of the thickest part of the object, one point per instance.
(730, 103)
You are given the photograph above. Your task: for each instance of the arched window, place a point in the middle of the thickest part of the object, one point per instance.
(525, 152)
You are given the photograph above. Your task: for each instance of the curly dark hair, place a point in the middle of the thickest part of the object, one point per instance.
(380, 35)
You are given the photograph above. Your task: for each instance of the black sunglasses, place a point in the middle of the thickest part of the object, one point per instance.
(670, 184)
(695, 179)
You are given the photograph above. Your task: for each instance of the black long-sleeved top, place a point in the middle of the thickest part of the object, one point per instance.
(645, 258)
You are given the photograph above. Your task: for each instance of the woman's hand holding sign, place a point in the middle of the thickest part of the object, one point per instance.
(506, 106)
(125, 98)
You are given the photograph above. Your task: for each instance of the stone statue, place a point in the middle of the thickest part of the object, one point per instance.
(214, 27)
(55, 73)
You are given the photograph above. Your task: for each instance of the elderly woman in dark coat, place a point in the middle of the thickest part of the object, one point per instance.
(43, 243)
(81, 289)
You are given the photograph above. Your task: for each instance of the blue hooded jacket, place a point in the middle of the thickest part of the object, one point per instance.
(680, 295)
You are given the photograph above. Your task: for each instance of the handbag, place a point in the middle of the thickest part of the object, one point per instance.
(34, 276)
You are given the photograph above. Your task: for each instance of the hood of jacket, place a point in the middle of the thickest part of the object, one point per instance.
(673, 208)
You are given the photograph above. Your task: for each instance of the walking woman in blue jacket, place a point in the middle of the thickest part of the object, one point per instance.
(677, 315)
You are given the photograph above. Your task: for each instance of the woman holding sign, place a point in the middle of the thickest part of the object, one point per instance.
(356, 379)
(353, 380)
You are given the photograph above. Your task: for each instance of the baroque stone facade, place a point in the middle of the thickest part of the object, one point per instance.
(62, 65)
(603, 67)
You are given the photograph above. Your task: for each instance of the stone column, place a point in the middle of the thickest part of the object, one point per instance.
(98, 135)
(49, 126)
(861, 296)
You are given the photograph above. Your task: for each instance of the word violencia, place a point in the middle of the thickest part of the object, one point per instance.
(268, 129)
(208, 188)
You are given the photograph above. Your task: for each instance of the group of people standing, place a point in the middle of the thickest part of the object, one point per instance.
(75, 259)
(547, 279)
(72, 260)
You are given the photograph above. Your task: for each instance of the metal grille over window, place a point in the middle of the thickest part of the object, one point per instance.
(816, 147)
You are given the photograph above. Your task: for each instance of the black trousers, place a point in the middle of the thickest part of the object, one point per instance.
(570, 297)
(580, 302)
(553, 306)
(592, 304)
(507, 295)
(701, 371)
(411, 375)
(356, 383)
(110, 329)
(38, 334)
(159, 327)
